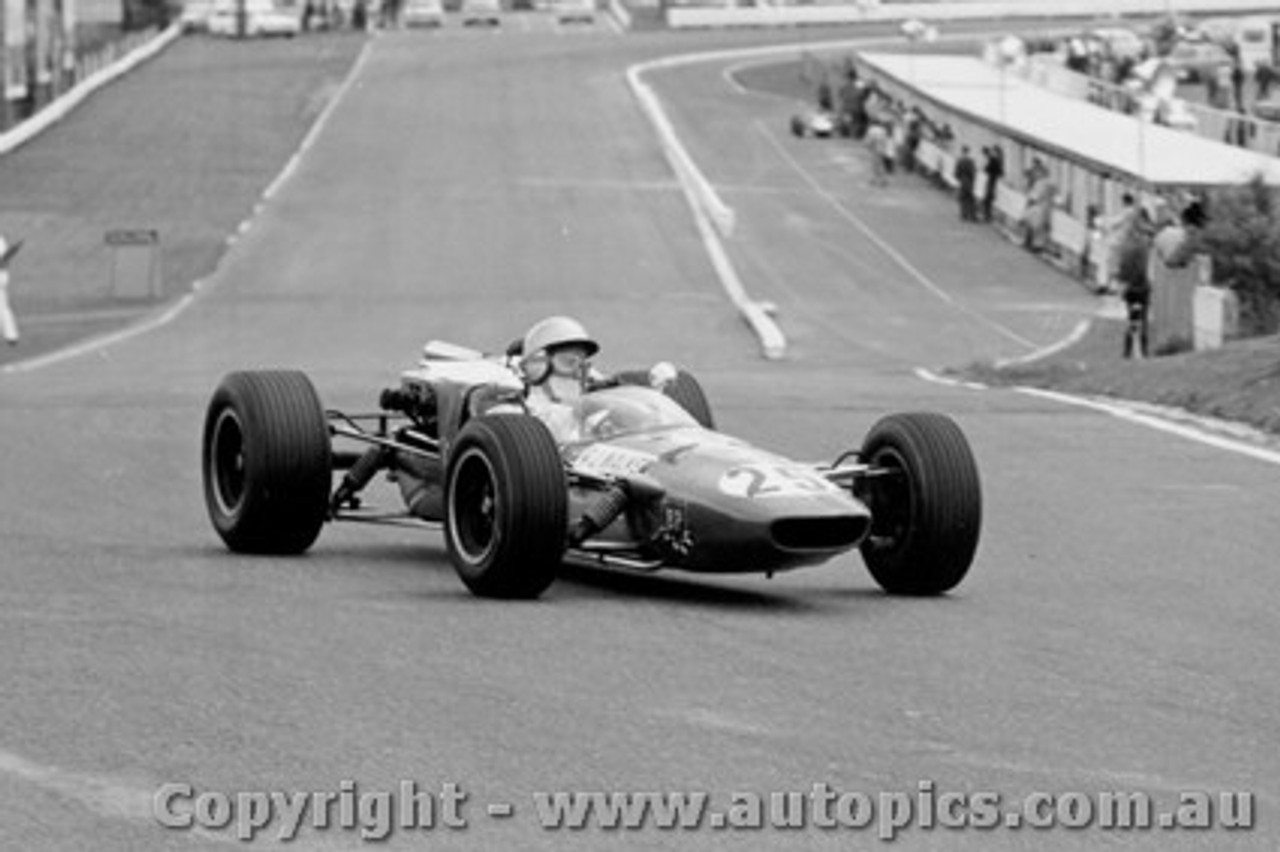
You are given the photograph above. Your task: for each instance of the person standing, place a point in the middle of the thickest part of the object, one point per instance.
(853, 117)
(1135, 289)
(1237, 85)
(966, 175)
(8, 324)
(993, 168)
(877, 140)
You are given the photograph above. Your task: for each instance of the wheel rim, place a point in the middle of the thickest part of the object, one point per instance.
(227, 462)
(473, 502)
(889, 498)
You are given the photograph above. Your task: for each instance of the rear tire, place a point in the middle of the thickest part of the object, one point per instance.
(926, 515)
(267, 462)
(506, 506)
(685, 390)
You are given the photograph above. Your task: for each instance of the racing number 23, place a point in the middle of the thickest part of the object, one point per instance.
(761, 480)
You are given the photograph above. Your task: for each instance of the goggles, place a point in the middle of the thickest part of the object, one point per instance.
(568, 362)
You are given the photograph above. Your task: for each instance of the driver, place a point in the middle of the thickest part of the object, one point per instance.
(555, 364)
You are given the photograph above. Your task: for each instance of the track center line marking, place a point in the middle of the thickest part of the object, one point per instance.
(896, 256)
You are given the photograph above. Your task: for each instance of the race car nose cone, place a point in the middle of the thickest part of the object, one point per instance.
(835, 532)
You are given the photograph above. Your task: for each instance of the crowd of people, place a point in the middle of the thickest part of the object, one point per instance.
(1124, 247)
(357, 14)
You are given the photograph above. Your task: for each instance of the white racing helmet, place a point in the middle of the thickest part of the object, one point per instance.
(547, 335)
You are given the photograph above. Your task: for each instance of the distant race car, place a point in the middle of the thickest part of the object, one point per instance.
(646, 483)
(821, 123)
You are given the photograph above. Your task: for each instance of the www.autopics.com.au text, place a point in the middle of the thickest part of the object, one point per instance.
(375, 814)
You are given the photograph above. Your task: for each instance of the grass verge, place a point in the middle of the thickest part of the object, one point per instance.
(1239, 382)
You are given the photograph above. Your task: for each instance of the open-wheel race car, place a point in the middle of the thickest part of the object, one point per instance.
(644, 481)
(821, 123)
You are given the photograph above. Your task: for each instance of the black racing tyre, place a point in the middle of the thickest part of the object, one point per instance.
(926, 510)
(267, 462)
(506, 506)
(685, 390)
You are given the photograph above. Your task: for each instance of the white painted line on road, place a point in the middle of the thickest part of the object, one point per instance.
(169, 313)
(1129, 411)
(104, 796)
(1081, 329)
(103, 341)
(1220, 434)
(320, 123)
(930, 376)
(896, 256)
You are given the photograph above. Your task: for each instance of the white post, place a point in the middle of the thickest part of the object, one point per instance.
(8, 324)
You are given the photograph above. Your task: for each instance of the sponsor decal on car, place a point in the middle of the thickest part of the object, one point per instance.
(673, 534)
(760, 481)
(612, 461)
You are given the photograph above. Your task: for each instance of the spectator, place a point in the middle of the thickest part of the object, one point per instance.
(993, 168)
(1178, 239)
(1039, 208)
(1264, 75)
(1237, 85)
(853, 114)
(1222, 88)
(966, 175)
(8, 325)
(1135, 289)
(877, 139)
(911, 140)
(826, 100)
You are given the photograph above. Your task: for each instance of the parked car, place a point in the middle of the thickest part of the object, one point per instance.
(261, 18)
(485, 13)
(575, 11)
(1193, 61)
(195, 15)
(423, 13)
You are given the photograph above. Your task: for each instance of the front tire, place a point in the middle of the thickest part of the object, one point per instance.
(267, 462)
(926, 506)
(506, 506)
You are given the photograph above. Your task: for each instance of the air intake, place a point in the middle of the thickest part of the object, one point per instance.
(828, 533)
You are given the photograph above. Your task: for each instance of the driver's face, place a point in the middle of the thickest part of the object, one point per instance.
(569, 361)
(569, 366)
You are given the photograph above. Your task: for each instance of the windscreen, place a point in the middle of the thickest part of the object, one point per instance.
(621, 411)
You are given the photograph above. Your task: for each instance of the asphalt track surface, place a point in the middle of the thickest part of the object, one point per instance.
(1116, 633)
